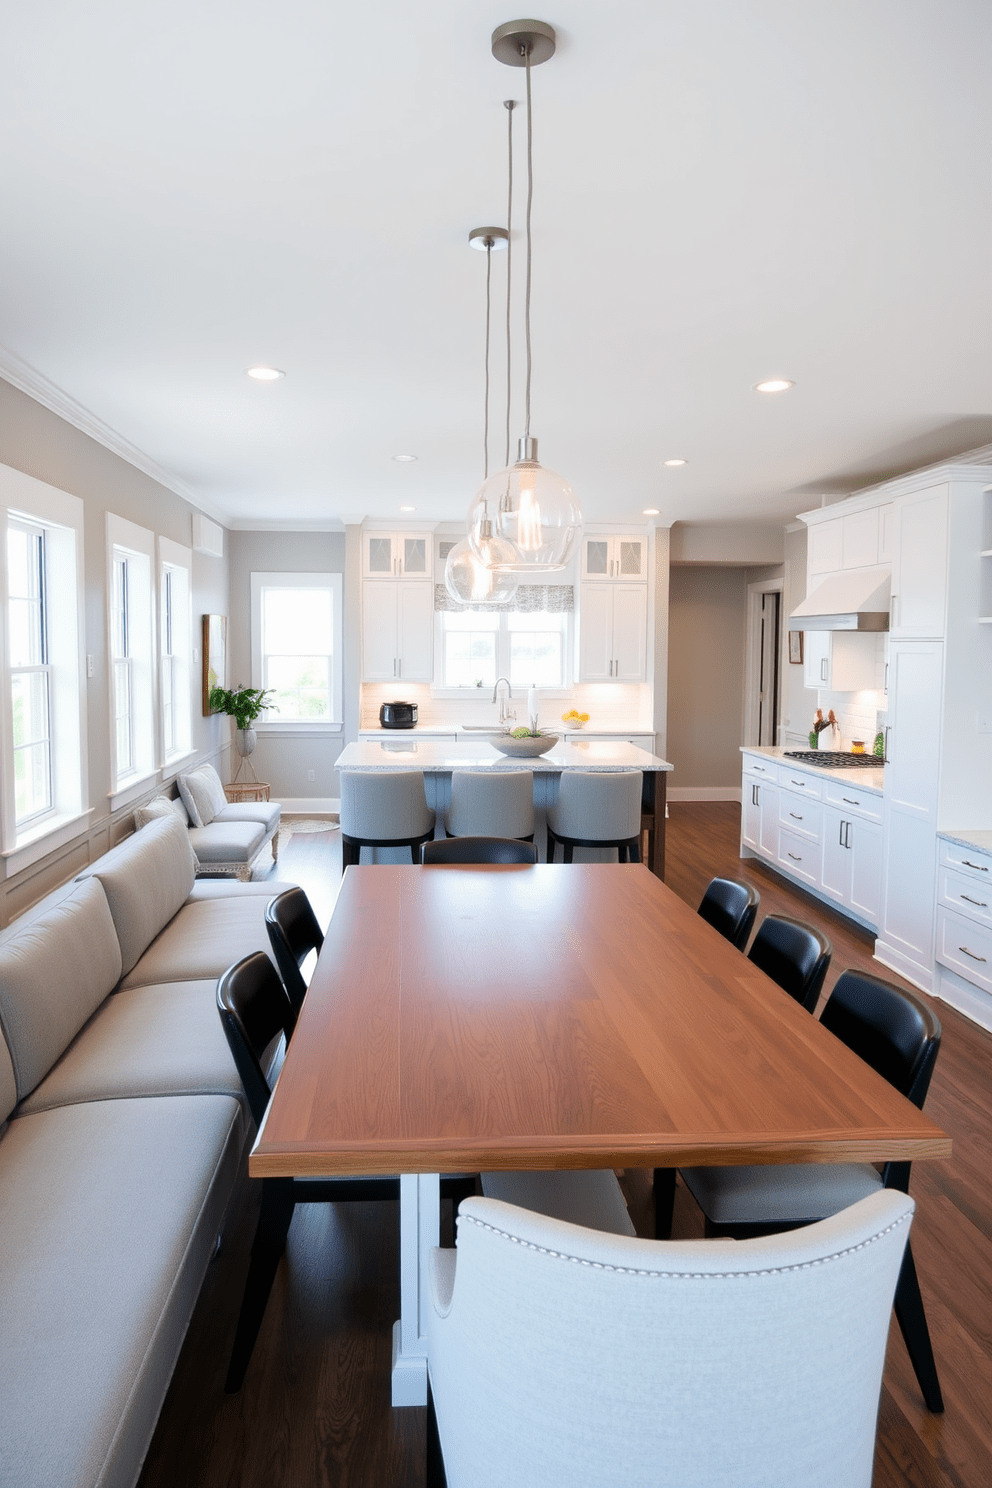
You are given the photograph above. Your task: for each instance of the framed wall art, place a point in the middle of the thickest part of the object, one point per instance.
(214, 657)
(796, 647)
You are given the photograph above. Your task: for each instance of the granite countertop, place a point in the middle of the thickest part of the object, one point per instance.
(404, 751)
(981, 841)
(869, 778)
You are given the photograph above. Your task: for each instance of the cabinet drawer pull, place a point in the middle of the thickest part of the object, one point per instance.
(801, 784)
(795, 816)
(971, 954)
(966, 864)
(978, 903)
(759, 768)
(849, 801)
(794, 858)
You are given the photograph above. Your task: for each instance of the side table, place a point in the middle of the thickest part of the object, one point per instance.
(248, 790)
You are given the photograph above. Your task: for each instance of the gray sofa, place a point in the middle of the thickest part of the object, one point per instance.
(123, 1131)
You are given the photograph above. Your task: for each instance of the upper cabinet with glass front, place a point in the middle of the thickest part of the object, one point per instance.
(615, 555)
(396, 555)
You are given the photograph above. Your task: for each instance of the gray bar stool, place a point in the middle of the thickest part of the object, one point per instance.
(484, 804)
(383, 809)
(597, 810)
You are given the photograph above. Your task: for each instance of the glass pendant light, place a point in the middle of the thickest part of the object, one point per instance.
(482, 576)
(530, 509)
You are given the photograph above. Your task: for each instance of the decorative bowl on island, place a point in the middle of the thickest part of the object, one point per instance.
(525, 745)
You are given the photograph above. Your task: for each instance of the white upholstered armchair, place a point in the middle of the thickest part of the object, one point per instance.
(562, 1355)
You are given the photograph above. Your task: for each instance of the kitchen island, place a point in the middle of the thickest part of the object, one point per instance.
(438, 760)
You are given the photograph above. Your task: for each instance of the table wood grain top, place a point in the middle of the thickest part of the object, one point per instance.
(558, 1016)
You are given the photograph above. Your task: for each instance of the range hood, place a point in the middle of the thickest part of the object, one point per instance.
(858, 600)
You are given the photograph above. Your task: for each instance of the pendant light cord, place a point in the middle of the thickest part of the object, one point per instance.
(530, 198)
(489, 275)
(509, 106)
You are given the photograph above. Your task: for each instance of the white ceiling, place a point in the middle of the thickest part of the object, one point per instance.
(725, 190)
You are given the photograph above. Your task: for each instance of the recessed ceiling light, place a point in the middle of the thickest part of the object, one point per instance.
(774, 385)
(265, 374)
(651, 511)
(676, 462)
(408, 508)
(404, 459)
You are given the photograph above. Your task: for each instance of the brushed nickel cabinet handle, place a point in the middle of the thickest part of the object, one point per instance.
(978, 903)
(971, 954)
(849, 802)
(794, 858)
(966, 864)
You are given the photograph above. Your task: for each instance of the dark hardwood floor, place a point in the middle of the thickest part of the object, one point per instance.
(315, 1406)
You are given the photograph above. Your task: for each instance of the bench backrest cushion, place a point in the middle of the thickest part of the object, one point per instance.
(54, 975)
(147, 879)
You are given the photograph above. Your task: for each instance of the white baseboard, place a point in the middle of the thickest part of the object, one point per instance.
(310, 805)
(911, 971)
(704, 793)
(973, 1002)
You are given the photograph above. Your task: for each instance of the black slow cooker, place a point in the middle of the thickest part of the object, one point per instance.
(398, 715)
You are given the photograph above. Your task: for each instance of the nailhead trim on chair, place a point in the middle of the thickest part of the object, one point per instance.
(558, 1255)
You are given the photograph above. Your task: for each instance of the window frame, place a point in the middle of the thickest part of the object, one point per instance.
(135, 546)
(33, 503)
(175, 582)
(440, 689)
(334, 583)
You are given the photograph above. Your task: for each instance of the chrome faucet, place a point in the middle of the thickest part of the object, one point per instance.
(503, 711)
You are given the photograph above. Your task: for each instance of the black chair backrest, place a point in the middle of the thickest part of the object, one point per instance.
(254, 1010)
(891, 1029)
(478, 850)
(293, 934)
(794, 955)
(730, 907)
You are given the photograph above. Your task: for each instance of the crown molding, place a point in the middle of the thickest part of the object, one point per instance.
(288, 524)
(27, 380)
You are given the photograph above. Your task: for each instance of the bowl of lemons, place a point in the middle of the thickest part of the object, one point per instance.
(573, 719)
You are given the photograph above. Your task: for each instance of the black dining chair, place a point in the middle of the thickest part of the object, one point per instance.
(894, 1031)
(730, 907)
(795, 955)
(255, 1012)
(478, 850)
(293, 934)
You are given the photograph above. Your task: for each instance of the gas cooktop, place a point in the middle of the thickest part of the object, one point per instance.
(836, 759)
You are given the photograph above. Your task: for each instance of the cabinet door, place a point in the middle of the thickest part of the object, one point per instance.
(860, 539)
(913, 735)
(379, 549)
(865, 856)
(826, 546)
(919, 565)
(835, 874)
(768, 829)
(596, 633)
(908, 888)
(630, 558)
(415, 621)
(886, 532)
(379, 651)
(630, 630)
(816, 659)
(750, 814)
(596, 558)
(414, 556)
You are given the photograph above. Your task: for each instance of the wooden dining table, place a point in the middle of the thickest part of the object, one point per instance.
(555, 1016)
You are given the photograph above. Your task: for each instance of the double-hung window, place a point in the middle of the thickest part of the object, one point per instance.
(42, 697)
(528, 641)
(296, 621)
(130, 557)
(175, 636)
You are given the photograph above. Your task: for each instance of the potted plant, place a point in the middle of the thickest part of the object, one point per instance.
(243, 704)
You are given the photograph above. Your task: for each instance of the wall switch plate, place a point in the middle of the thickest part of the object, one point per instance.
(983, 723)
(311, 775)
(90, 664)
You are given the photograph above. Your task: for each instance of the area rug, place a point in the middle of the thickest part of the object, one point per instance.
(305, 824)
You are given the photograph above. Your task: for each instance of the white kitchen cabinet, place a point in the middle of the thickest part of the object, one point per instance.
(613, 628)
(851, 871)
(919, 565)
(860, 539)
(397, 630)
(912, 736)
(397, 555)
(615, 556)
(840, 660)
(826, 547)
(759, 819)
(886, 532)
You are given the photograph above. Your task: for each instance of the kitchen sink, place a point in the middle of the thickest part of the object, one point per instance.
(484, 728)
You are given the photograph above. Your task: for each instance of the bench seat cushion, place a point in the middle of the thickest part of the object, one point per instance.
(267, 813)
(229, 888)
(109, 1213)
(203, 940)
(227, 842)
(165, 1040)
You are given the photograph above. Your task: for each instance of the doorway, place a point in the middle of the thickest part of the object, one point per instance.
(763, 694)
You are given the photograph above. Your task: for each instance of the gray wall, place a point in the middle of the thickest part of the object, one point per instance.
(706, 645)
(285, 761)
(39, 443)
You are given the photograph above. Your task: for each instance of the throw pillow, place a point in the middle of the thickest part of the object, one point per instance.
(160, 806)
(202, 794)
